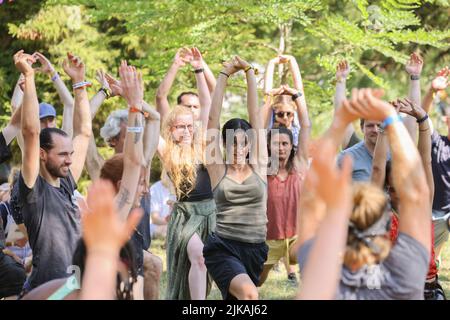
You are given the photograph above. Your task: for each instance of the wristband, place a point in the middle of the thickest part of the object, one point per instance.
(423, 119)
(250, 68)
(415, 77)
(199, 70)
(135, 129)
(81, 84)
(390, 120)
(55, 76)
(297, 95)
(136, 110)
(105, 92)
(225, 74)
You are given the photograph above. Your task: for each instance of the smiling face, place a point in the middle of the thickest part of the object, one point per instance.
(58, 159)
(182, 129)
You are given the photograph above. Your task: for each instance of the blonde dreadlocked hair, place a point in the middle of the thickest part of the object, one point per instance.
(180, 160)
(369, 203)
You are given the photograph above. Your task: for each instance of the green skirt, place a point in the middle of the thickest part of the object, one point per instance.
(186, 219)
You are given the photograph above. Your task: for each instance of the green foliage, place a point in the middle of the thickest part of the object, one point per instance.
(375, 36)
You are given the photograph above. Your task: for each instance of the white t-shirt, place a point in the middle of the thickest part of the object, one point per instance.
(159, 195)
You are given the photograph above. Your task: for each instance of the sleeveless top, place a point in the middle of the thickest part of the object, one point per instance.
(202, 190)
(282, 205)
(241, 209)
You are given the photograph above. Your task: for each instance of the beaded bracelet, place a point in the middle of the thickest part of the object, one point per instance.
(81, 84)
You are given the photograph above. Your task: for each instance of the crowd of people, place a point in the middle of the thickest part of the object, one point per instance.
(234, 200)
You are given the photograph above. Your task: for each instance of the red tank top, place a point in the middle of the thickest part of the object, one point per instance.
(282, 204)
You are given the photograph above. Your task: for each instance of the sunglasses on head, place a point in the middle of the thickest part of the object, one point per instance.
(281, 114)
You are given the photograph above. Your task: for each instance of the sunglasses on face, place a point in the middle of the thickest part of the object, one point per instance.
(281, 114)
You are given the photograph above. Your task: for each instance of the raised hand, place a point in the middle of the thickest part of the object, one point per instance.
(103, 230)
(414, 65)
(74, 67)
(284, 58)
(46, 66)
(183, 56)
(197, 59)
(132, 85)
(24, 62)
(234, 65)
(342, 70)
(101, 78)
(408, 107)
(114, 85)
(283, 90)
(366, 104)
(441, 80)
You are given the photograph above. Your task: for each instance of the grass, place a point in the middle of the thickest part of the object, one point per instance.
(277, 287)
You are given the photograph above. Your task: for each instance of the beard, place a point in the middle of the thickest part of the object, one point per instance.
(57, 171)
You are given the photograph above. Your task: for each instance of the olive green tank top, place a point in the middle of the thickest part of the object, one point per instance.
(241, 209)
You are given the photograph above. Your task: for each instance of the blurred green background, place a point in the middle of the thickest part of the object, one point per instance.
(375, 36)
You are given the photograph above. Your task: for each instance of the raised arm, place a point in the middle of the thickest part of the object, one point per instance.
(29, 120)
(133, 93)
(104, 234)
(322, 270)
(440, 82)
(104, 92)
(408, 173)
(17, 97)
(255, 117)
(12, 129)
(209, 76)
(162, 103)
(424, 145)
(414, 69)
(214, 165)
(268, 90)
(82, 124)
(202, 86)
(342, 72)
(94, 160)
(379, 160)
(64, 94)
(151, 133)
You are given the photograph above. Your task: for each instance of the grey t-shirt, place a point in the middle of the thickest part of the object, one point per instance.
(362, 161)
(52, 219)
(401, 276)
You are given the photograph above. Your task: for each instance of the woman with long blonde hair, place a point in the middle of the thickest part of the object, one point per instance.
(193, 216)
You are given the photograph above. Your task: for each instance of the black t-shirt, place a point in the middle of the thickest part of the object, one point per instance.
(52, 219)
(5, 153)
(440, 160)
(202, 190)
(15, 205)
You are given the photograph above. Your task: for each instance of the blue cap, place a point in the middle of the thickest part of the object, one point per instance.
(46, 110)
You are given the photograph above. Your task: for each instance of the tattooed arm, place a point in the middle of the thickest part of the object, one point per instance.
(133, 93)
